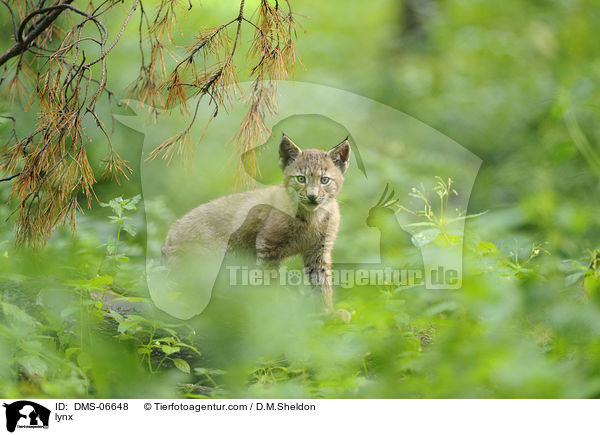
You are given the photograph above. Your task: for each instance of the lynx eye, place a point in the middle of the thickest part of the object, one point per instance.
(325, 180)
(301, 179)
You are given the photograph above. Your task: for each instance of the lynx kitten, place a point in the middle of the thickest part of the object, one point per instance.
(301, 217)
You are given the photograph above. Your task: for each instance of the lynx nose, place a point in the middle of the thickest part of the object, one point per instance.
(312, 198)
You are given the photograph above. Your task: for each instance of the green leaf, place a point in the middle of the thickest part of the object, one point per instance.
(592, 287)
(98, 281)
(205, 371)
(181, 365)
(33, 365)
(448, 239)
(71, 351)
(117, 316)
(18, 315)
(187, 346)
(85, 360)
(486, 248)
(462, 218)
(129, 228)
(574, 277)
(169, 349)
(169, 330)
(137, 318)
(424, 237)
(128, 326)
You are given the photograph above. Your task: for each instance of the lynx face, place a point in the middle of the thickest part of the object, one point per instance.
(315, 176)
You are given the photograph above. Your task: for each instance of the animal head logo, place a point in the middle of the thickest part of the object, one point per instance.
(25, 413)
(408, 151)
(382, 210)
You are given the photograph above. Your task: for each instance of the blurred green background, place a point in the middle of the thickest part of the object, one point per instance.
(514, 82)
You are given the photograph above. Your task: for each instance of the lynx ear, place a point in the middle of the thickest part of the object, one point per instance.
(340, 154)
(288, 151)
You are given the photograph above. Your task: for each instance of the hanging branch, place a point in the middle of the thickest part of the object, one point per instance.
(48, 168)
(210, 69)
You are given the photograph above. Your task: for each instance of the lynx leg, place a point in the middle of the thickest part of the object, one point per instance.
(317, 266)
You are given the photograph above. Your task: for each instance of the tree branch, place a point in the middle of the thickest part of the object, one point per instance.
(12, 16)
(10, 177)
(21, 46)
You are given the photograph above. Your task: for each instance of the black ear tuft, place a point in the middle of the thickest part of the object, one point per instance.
(340, 154)
(288, 151)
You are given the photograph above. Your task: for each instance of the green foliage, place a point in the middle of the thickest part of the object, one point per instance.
(118, 206)
(509, 332)
(87, 336)
(435, 225)
(514, 82)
